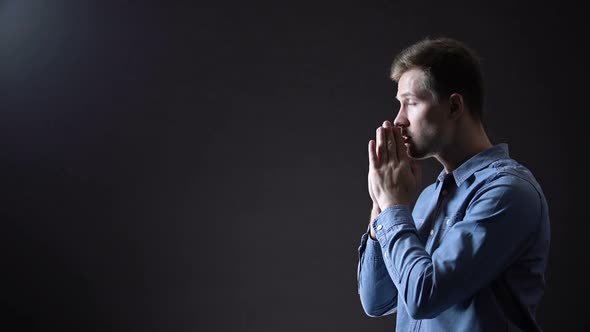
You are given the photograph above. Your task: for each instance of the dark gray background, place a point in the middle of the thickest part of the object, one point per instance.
(178, 166)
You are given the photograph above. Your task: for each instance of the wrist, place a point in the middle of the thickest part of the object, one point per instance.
(376, 207)
(389, 204)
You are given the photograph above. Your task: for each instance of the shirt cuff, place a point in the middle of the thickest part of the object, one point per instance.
(388, 219)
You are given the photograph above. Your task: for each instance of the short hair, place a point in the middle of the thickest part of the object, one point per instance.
(450, 67)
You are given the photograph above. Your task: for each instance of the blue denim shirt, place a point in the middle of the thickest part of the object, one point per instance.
(471, 256)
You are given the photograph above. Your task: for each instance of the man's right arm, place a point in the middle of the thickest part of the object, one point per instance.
(376, 289)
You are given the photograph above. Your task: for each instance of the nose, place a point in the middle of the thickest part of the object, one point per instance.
(401, 120)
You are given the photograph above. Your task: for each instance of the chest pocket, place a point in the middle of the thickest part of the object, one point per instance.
(450, 221)
(447, 223)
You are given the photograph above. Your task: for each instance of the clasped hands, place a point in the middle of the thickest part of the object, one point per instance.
(393, 175)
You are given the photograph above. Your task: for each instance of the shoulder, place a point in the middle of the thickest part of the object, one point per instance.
(516, 177)
(510, 185)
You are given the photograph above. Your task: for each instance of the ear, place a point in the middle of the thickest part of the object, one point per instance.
(456, 105)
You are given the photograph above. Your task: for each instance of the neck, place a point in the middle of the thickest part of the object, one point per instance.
(470, 140)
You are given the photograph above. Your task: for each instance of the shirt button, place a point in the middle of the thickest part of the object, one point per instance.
(448, 221)
(432, 231)
(385, 254)
(379, 227)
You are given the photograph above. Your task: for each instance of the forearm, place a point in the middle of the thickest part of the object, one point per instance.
(376, 289)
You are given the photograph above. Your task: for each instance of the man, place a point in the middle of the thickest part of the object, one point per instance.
(472, 253)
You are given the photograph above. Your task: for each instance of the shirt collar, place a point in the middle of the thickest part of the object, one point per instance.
(477, 162)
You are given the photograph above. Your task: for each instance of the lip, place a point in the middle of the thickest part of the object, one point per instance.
(406, 139)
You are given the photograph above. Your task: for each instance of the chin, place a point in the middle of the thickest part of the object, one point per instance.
(416, 153)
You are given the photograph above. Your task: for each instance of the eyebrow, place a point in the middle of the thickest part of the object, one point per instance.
(405, 94)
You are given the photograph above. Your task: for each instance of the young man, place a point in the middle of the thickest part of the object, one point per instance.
(471, 256)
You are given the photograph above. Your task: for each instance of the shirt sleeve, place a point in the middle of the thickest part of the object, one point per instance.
(498, 222)
(376, 289)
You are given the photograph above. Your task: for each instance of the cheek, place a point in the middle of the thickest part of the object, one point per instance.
(420, 123)
(425, 131)
(428, 133)
(429, 121)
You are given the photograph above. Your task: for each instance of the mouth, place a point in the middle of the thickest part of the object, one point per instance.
(406, 139)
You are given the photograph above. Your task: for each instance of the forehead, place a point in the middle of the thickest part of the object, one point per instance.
(412, 82)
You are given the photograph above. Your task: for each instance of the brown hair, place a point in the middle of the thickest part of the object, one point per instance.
(450, 67)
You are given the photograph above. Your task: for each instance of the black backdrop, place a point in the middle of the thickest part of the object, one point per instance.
(178, 166)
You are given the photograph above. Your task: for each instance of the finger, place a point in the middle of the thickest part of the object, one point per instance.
(400, 147)
(381, 146)
(391, 139)
(373, 160)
